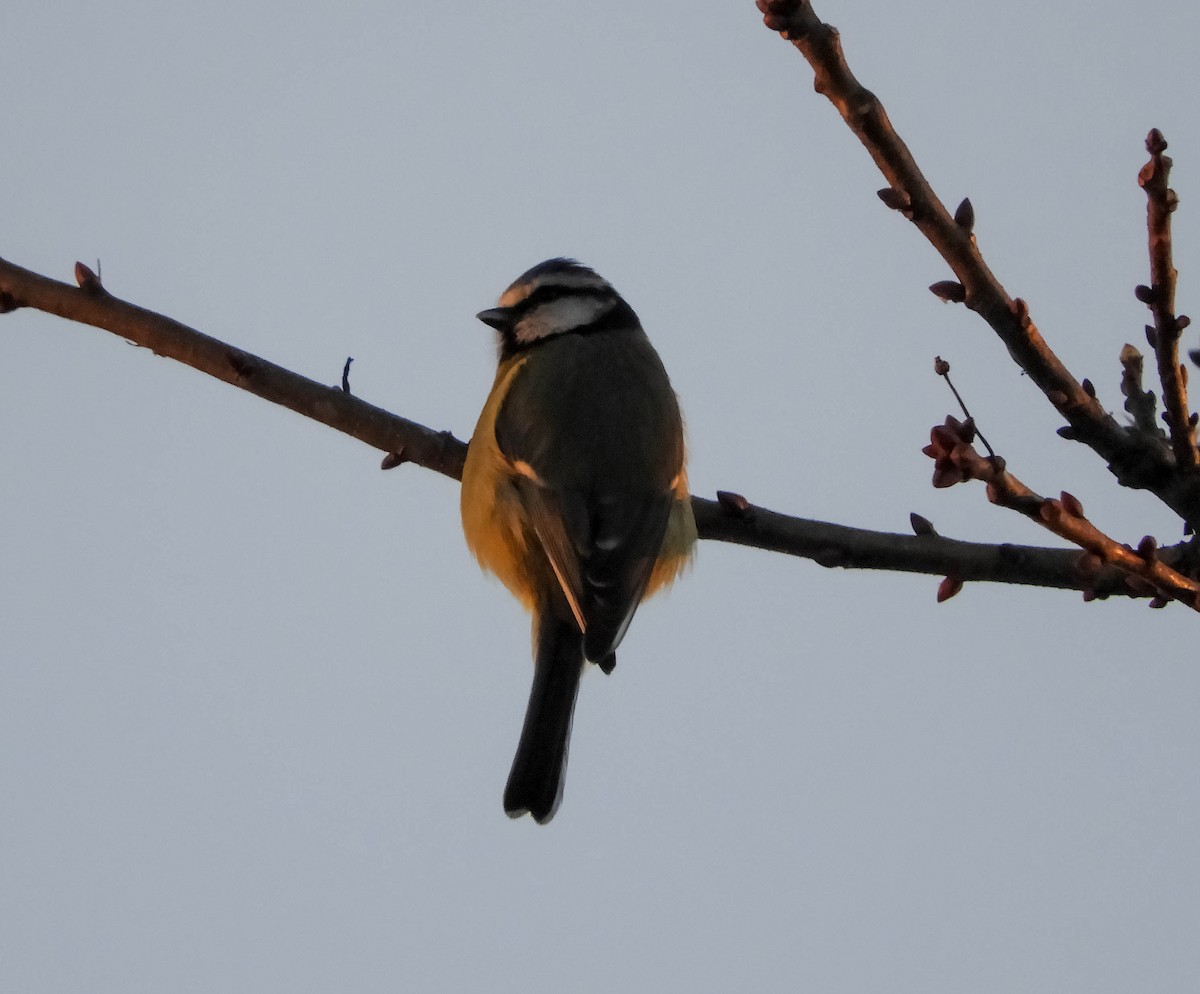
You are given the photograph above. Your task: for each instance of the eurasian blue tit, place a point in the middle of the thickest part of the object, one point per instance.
(574, 493)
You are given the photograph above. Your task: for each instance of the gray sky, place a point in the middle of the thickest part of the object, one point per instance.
(257, 703)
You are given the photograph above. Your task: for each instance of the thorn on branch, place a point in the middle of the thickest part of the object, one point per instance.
(346, 374)
(949, 291)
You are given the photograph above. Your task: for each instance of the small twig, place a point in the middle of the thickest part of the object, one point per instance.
(942, 368)
(1159, 296)
(346, 374)
(1141, 404)
(956, 461)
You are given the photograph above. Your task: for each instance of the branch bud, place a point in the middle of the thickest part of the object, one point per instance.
(921, 525)
(897, 200)
(733, 504)
(1071, 505)
(1145, 294)
(88, 281)
(964, 217)
(949, 291)
(949, 586)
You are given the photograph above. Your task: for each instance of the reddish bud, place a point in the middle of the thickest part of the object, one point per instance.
(1071, 505)
(949, 586)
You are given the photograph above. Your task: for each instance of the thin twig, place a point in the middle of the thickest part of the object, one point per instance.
(1159, 296)
(956, 461)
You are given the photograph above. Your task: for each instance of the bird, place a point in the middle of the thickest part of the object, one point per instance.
(574, 493)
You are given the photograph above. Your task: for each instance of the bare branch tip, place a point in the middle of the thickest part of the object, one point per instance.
(1156, 144)
(346, 374)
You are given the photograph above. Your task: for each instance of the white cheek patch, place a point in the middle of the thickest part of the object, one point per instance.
(563, 314)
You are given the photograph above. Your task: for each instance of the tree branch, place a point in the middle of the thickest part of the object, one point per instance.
(1159, 296)
(732, 519)
(1137, 460)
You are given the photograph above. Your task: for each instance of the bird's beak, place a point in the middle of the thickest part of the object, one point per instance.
(496, 317)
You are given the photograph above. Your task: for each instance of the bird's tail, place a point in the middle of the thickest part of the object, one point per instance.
(539, 768)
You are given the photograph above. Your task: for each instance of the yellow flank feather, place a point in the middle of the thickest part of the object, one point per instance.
(496, 525)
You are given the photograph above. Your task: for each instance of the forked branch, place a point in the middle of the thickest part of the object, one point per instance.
(1137, 459)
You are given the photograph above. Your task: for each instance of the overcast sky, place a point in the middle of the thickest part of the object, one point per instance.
(257, 702)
